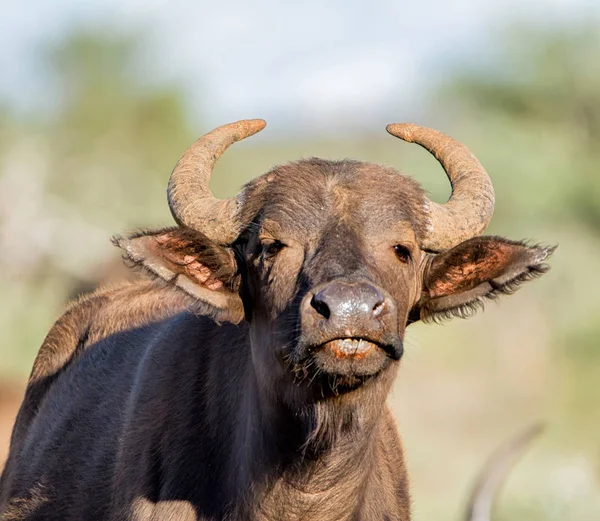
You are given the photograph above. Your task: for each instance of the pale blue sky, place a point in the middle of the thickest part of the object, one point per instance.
(310, 62)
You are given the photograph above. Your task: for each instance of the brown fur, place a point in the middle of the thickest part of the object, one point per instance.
(140, 406)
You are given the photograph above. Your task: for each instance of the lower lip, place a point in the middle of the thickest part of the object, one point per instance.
(350, 348)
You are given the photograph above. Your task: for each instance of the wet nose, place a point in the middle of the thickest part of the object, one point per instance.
(341, 301)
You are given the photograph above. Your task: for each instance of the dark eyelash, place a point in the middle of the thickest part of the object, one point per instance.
(272, 248)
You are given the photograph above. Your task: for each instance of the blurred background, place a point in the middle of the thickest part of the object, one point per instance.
(98, 100)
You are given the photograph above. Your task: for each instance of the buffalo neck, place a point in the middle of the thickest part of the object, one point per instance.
(306, 449)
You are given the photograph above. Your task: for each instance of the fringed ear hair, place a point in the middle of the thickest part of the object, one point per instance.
(457, 282)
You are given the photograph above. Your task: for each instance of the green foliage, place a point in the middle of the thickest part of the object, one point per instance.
(545, 84)
(115, 126)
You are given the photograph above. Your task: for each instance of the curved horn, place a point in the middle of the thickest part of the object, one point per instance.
(479, 507)
(191, 202)
(471, 205)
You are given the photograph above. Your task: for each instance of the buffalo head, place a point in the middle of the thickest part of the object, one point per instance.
(328, 262)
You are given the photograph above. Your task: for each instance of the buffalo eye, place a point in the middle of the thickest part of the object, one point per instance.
(403, 253)
(272, 248)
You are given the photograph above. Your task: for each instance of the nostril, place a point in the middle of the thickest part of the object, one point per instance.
(378, 308)
(320, 306)
(377, 301)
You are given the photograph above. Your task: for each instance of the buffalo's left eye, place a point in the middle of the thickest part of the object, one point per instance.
(271, 249)
(403, 253)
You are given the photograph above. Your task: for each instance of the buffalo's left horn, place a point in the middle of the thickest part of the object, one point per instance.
(190, 199)
(471, 205)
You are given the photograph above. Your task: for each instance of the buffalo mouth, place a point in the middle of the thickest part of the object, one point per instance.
(345, 348)
(350, 360)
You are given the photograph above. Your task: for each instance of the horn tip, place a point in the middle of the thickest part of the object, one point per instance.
(403, 131)
(253, 125)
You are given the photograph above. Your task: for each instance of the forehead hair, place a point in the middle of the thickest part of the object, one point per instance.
(312, 193)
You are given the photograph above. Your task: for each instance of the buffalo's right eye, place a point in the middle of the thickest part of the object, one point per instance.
(272, 248)
(403, 253)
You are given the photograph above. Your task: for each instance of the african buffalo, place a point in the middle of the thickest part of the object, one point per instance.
(248, 379)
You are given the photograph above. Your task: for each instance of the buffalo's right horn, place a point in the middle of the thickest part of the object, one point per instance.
(190, 199)
(471, 205)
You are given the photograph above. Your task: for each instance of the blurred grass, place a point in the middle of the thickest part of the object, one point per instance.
(100, 164)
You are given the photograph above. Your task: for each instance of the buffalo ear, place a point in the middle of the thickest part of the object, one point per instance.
(457, 282)
(193, 263)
